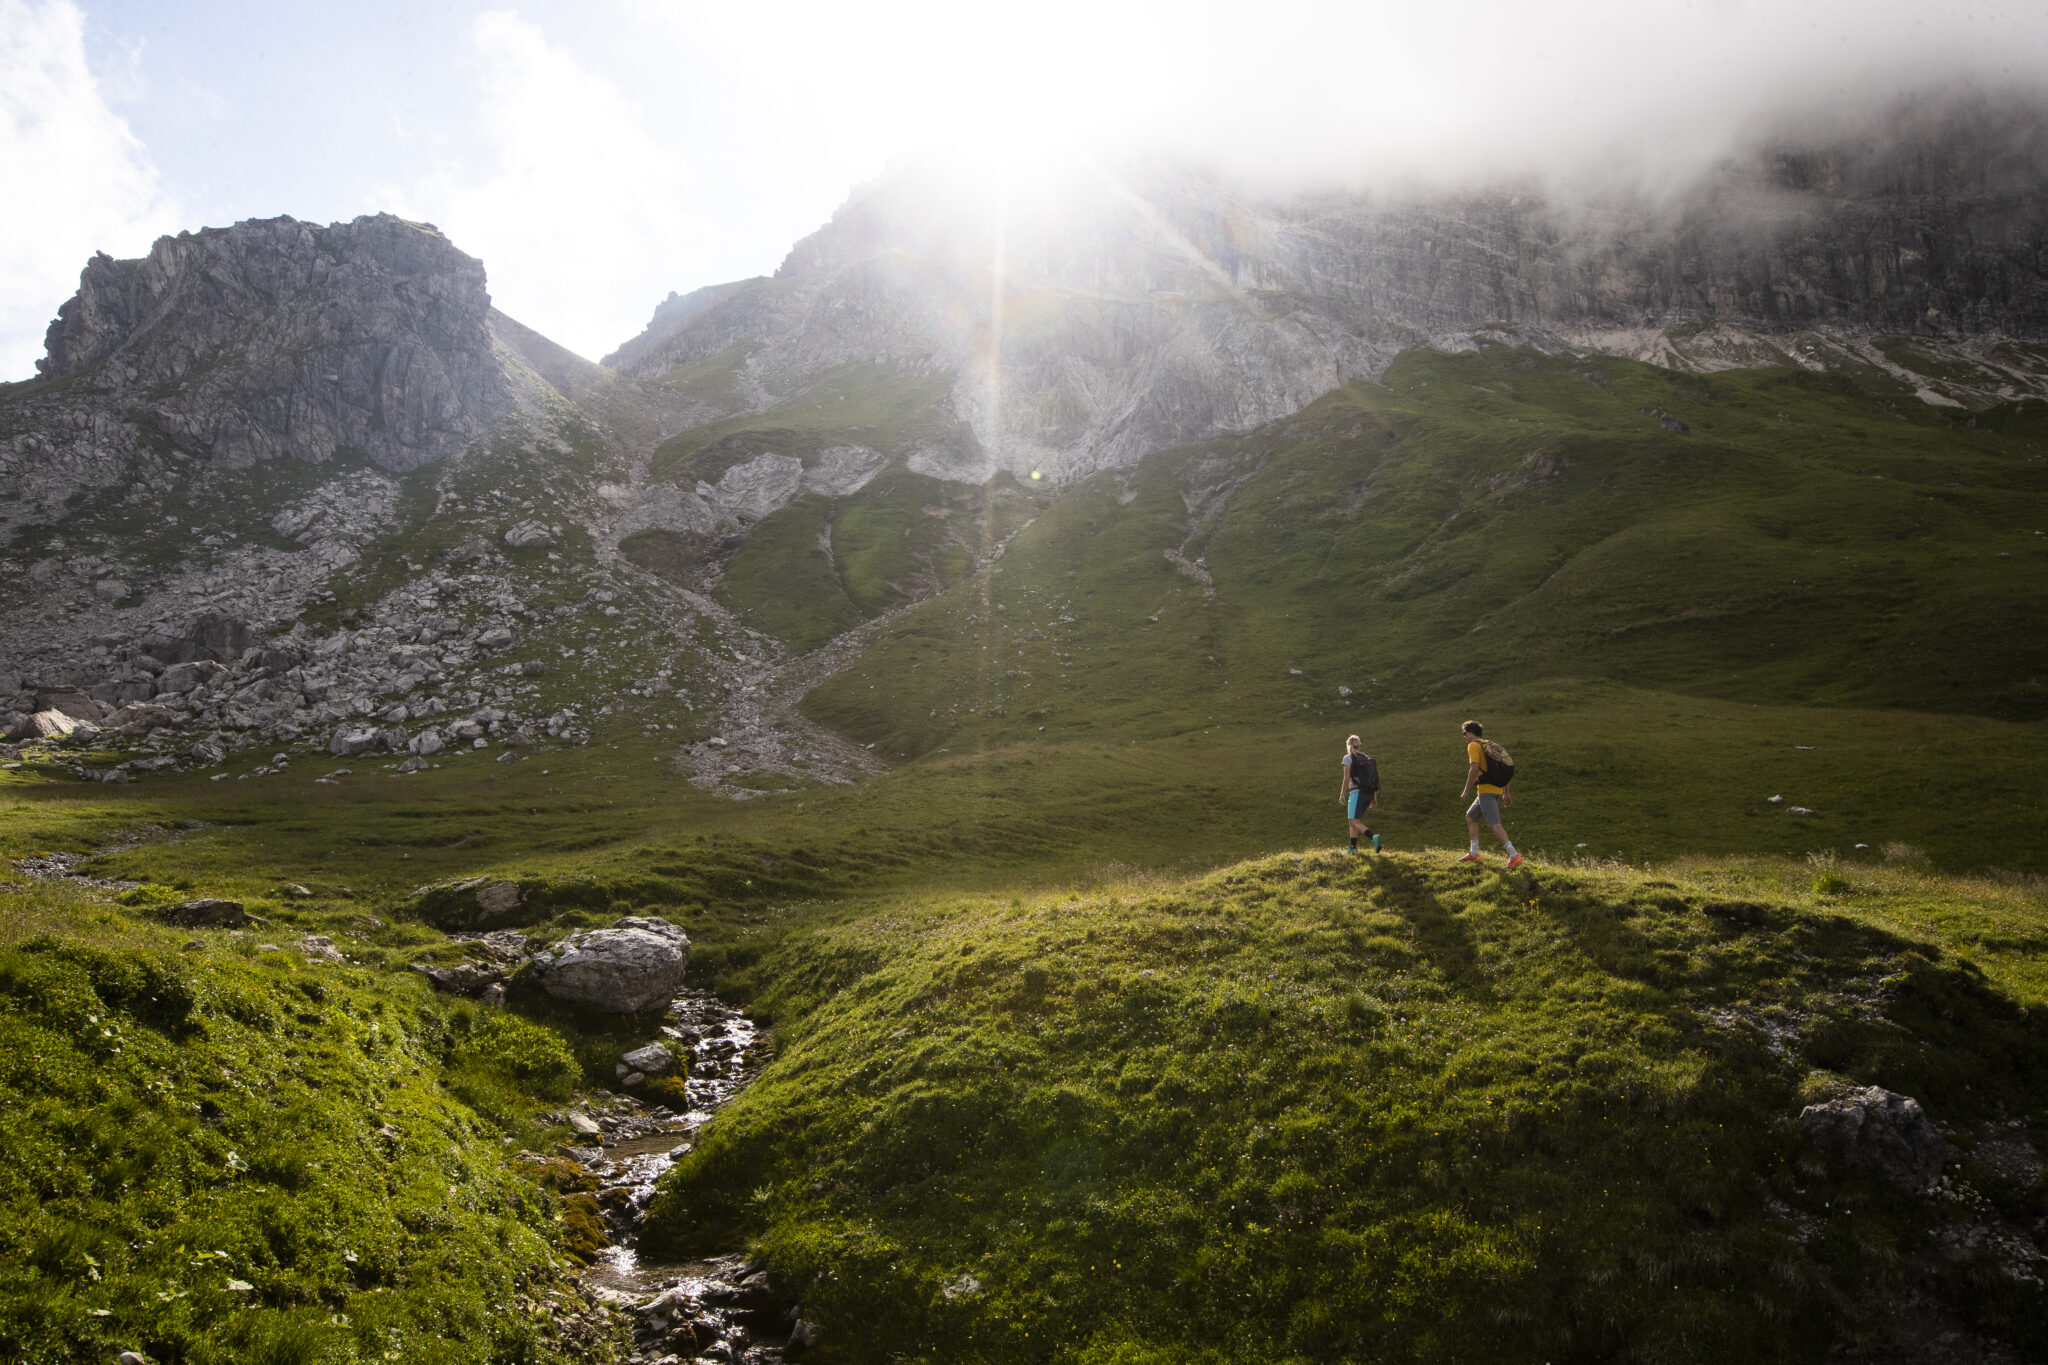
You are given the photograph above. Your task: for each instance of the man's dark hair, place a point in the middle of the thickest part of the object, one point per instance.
(1473, 727)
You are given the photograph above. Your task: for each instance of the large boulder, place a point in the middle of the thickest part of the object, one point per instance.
(1880, 1133)
(50, 725)
(528, 535)
(479, 902)
(352, 740)
(496, 898)
(71, 701)
(179, 679)
(652, 1060)
(635, 965)
(139, 718)
(210, 913)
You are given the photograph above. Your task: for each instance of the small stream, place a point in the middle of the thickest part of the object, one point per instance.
(723, 1310)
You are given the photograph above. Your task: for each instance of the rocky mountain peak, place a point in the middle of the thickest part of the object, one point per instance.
(276, 337)
(1115, 311)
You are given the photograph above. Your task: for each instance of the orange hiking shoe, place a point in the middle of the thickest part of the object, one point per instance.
(1471, 858)
(1514, 862)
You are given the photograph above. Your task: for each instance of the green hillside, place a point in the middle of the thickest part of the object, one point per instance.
(822, 565)
(224, 1152)
(1162, 1081)
(1321, 1108)
(1089, 1046)
(1494, 518)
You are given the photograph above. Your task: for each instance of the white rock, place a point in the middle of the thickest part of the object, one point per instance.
(841, 470)
(529, 535)
(763, 484)
(637, 964)
(497, 897)
(654, 1059)
(352, 741)
(321, 947)
(51, 724)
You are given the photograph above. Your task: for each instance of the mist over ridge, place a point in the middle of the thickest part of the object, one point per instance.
(1092, 312)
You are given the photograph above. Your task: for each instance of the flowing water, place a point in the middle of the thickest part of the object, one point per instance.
(722, 1310)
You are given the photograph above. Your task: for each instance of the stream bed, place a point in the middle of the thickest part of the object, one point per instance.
(723, 1310)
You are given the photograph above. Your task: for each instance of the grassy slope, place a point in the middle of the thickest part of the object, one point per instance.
(1301, 1089)
(1493, 518)
(887, 408)
(1310, 1108)
(222, 1155)
(1596, 763)
(819, 566)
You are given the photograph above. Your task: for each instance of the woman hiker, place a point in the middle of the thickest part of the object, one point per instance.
(1359, 790)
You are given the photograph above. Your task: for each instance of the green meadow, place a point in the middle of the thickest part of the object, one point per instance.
(1090, 1043)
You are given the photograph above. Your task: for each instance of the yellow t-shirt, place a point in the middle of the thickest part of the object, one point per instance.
(1475, 752)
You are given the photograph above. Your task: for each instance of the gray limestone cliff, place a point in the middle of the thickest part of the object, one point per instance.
(1090, 321)
(234, 429)
(280, 338)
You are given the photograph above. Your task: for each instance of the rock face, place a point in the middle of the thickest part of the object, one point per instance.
(1169, 307)
(1879, 1133)
(371, 336)
(198, 490)
(635, 965)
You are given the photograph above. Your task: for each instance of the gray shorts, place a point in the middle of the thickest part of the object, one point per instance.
(1485, 808)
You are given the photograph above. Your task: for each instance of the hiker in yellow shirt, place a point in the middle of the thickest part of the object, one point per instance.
(1488, 765)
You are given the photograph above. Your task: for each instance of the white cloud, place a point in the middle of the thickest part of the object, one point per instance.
(77, 179)
(1338, 89)
(577, 210)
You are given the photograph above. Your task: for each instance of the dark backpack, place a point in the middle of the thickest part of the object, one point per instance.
(1500, 768)
(1365, 774)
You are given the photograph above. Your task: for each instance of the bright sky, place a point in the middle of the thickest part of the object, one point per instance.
(600, 153)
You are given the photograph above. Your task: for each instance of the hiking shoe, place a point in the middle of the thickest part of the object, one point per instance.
(1375, 843)
(1352, 849)
(1471, 858)
(1514, 862)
